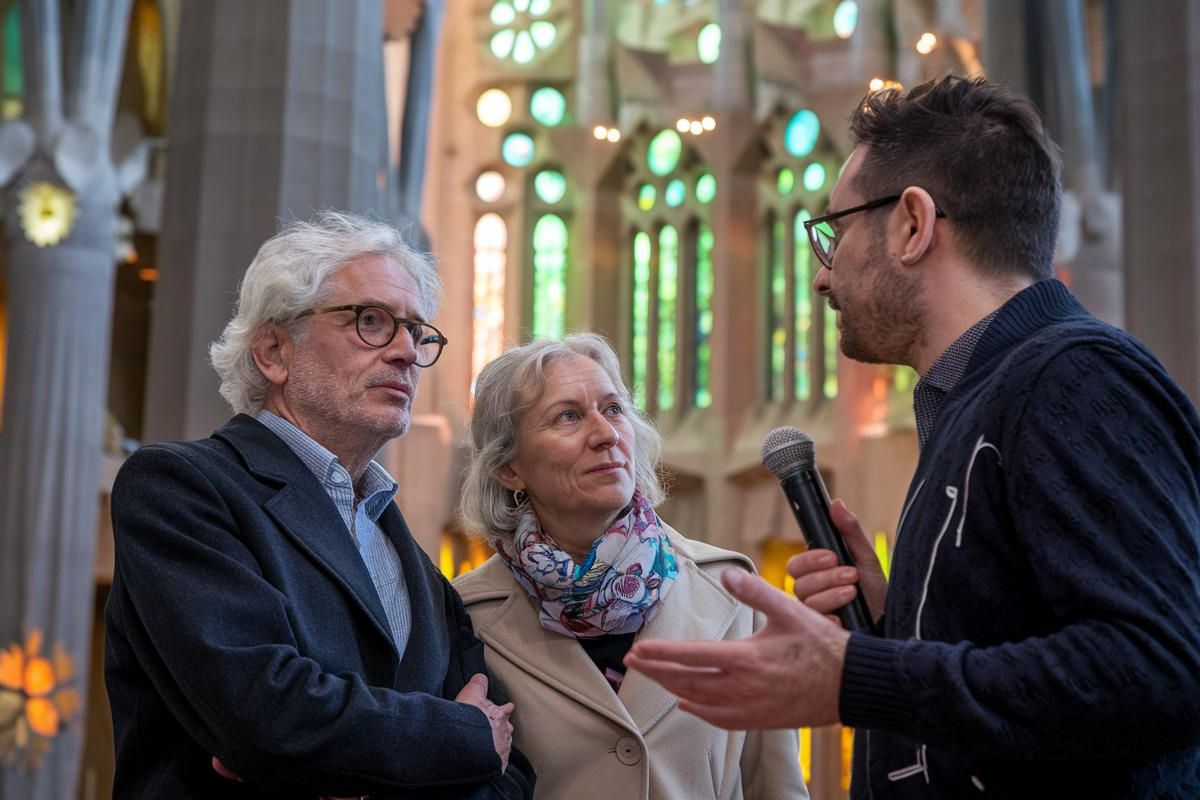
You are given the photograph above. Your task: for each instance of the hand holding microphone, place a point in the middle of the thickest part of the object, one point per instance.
(839, 555)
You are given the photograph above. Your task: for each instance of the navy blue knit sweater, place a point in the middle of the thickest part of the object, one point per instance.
(1042, 628)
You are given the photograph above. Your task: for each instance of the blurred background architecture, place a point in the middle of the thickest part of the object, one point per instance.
(640, 168)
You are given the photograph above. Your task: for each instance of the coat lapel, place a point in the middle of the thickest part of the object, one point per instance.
(305, 513)
(427, 651)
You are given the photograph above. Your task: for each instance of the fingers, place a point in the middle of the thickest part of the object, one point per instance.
(757, 593)
(852, 531)
(224, 771)
(475, 692)
(702, 654)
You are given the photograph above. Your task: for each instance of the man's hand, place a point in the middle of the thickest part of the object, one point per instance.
(787, 675)
(475, 694)
(824, 586)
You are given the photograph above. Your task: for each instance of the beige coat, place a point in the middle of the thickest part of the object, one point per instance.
(584, 740)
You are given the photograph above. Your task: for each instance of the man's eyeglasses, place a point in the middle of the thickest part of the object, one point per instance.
(377, 327)
(822, 236)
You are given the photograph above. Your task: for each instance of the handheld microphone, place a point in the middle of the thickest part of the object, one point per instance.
(788, 455)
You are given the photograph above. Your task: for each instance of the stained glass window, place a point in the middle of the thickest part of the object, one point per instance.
(675, 193)
(800, 136)
(814, 177)
(641, 316)
(522, 32)
(668, 289)
(13, 75)
(845, 19)
(662, 156)
(548, 106)
(493, 108)
(646, 196)
(706, 188)
(785, 181)
(777, 318)
(704, 316)
(549, 277)
(831, 351)
(490, 186)
(803, 299)
(517, 150)
(708, 43)
(491, 242)
(550, 186)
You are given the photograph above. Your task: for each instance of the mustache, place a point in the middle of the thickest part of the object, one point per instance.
(403, 376)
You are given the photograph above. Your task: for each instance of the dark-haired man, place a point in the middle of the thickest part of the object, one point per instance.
(1040, 623)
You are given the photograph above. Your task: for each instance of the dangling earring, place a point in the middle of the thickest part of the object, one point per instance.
(520, 497)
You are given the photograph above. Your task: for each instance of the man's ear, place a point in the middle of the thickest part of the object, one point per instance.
(272, 350)
(509, 478)
(919, 213)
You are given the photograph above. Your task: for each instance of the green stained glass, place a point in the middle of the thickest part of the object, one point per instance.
(704, 317)
(517, 150)
(662, 155)
(668, 288)
(906, 379)
(776, 320)
(548, 106)
(539, 8)
(845, 19)
(785, 181)
(708, 43)
(14, 73)
(550, 186)
(675, 193)
(543, 33)
(641, 316)
(646, 196)
(524, 49)
(814, 177)
(803, 302)
(502, 43)
(800, 136)
(521, 5)
(503, 13)
(706, 188)
(830, 385)
(549, 277)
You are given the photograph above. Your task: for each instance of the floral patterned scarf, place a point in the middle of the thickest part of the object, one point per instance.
(616, 589)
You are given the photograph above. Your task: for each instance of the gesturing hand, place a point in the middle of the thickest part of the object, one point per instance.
(786, 675)
(824, 586)
(475, 694)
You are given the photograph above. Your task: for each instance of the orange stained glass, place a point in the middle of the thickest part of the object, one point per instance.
(39, 677)
(847, 756)
(42, 716)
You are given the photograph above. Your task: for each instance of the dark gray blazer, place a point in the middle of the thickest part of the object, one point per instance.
(242, 623)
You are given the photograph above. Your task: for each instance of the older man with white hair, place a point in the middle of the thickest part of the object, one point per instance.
(273, 628)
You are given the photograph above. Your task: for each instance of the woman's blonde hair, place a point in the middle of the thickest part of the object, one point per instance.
(505, 390)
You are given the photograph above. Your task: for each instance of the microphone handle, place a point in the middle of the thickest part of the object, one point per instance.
(809, 499)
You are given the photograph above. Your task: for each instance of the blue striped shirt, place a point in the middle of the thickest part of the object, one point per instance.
(361, 517)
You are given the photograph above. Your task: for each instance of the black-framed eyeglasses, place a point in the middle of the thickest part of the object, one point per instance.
(823, 237)
(377, 327)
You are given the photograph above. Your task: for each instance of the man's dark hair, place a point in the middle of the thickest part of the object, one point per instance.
(982, 154)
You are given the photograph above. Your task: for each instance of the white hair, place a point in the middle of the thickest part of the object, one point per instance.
(288, 276)
(505, 390)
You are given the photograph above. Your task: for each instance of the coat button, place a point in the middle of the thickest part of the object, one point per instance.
(629, 752)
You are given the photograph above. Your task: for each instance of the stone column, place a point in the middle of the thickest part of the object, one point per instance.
(277, 111)
(1159, 80)
(59, 308)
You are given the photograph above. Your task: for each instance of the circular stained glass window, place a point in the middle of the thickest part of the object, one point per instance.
(800, 136)
(675, 193)
(489, 186)
(663, 153)
(814, 176)
(706, 188)
(548, 106)
(646, 196)
(550, 186)
(517, 150)
(493, 108)
(521, 33)
(785, 181)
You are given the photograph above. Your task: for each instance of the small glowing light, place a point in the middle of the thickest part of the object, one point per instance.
(926, 44)
(682, 124)
(709, 123)
(600, 132)
(880, 84)
(494, 108)
(614, 135)
(875, 85)
(147, 274)
(47, 212)
(696, 128)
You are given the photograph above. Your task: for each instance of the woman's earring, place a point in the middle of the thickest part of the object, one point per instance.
(520, 497)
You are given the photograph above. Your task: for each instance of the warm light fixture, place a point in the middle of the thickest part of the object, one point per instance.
(708, 123)
(926, 44)
(614, 135)
(494, 107)
(603, 132)
(879, 84)
(36, 700)
(47, 212)
(682, 124)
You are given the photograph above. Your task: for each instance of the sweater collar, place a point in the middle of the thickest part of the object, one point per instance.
(1027, 312)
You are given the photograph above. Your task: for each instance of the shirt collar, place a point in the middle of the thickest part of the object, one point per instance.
(377, 487)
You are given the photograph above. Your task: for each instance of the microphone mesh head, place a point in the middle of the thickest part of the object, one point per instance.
(786, 451)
